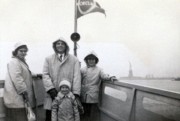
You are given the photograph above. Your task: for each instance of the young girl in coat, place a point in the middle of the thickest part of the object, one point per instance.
(64, 106)
(91, 76)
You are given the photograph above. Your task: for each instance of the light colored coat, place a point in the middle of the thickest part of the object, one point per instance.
(18, 80)
(91, 80)
(55, 71)
(64, 108)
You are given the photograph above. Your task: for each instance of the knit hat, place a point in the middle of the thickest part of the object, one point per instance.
(18, 44)
(65, 82)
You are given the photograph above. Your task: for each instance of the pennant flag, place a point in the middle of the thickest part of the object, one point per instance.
(88, 6)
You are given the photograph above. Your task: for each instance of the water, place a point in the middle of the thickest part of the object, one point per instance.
(166, 84)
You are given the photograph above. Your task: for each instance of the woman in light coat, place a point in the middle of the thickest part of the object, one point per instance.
(58, 66)
(18, 85)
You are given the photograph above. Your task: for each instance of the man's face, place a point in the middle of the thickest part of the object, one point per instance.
(60, 47)
(91, 61)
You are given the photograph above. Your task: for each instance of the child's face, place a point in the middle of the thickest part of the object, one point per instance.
(91, 62)
(64, 89)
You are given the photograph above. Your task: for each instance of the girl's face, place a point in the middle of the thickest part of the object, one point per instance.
(91, 62)
(60, 47)
(21, 53)
(64, 89)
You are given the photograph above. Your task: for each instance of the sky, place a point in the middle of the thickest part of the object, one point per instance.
(145, 33)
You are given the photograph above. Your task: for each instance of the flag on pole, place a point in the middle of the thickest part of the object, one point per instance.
(88, 6)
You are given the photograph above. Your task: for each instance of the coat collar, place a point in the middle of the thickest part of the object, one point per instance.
(64, 59)
(22, 62)
(69, 95)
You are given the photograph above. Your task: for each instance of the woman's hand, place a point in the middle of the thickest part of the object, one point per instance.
(25, 96)
(38, 76)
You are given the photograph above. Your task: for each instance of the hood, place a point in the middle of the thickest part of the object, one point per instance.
(92, 53)
(63, 40)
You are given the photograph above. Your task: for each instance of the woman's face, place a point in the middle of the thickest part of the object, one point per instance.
(60, 47)
(64, 89)
(21, 53)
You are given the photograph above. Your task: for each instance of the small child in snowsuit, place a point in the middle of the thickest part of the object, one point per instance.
(92, 75)
(64, 106)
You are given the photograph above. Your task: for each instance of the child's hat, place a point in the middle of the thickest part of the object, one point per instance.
(65, 82)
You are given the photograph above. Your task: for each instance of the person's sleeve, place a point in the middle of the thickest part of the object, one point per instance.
(81, 71)
(76, 88)
(54, 113)
(46, 76)
(15, 73)
(107, 77)
(76, 112)
(104, 76)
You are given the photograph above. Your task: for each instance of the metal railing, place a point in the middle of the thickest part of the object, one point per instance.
(121, 101)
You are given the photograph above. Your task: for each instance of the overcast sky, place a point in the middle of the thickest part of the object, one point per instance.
(143, 32)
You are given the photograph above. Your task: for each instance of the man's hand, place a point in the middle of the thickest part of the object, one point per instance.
(53, 93)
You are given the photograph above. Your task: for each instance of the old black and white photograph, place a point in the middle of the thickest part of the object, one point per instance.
(89, 60)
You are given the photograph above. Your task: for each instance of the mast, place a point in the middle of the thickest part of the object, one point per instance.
(75, 36)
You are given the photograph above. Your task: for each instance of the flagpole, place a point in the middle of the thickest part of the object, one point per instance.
(75, 36)
(75, 27)
(75, 16)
